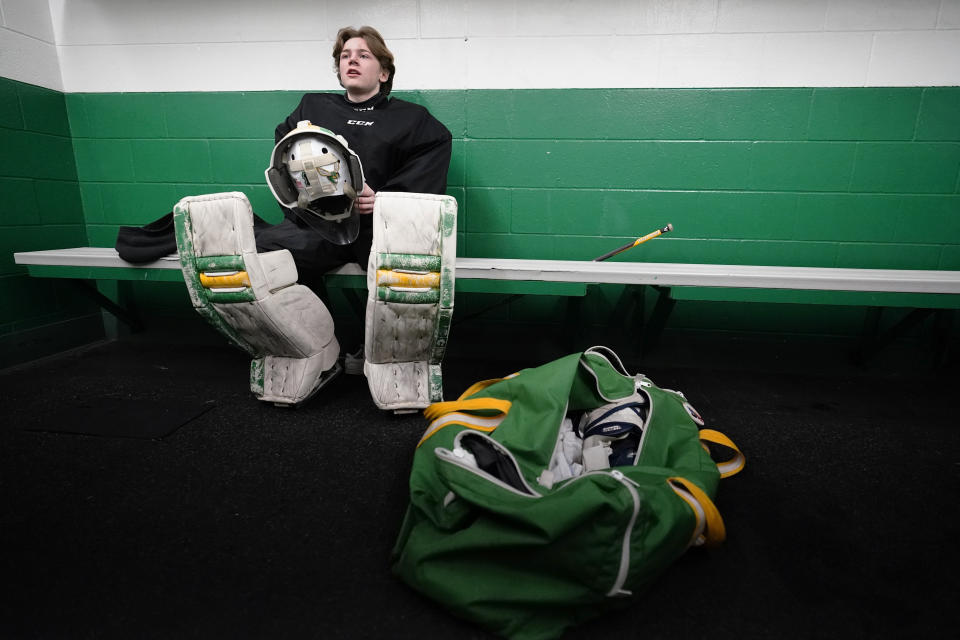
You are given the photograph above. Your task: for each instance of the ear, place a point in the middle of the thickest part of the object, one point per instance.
(384, 75)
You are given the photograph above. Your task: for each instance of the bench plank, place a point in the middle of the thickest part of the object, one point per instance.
(713, 275)
(90, 257)
(572, 271)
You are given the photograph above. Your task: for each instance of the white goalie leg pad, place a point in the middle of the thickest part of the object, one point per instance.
(254, 299)
(410, 281)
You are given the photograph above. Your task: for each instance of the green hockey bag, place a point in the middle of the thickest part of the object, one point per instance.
(551, 496)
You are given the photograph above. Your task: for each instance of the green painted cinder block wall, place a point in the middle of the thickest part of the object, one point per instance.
(40, 208)
(849, 177)
(818, 177)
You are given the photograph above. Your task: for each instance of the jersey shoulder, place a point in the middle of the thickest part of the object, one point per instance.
(315, 99)
(414, 112)
(399, 104)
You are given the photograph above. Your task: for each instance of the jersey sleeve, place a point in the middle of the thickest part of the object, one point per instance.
(423, 165)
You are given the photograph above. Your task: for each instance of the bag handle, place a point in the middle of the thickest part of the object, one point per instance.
(442, 414)
(466, 403)
(729, 467)
(710, 530)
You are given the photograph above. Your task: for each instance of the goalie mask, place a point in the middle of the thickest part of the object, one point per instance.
(314, 173)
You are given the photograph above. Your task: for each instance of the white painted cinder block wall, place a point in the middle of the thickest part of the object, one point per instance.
(232, 45)
(28, 50)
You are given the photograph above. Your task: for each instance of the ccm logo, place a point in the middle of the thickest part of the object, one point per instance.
(361, 123)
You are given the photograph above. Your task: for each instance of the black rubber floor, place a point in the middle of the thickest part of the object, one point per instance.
(197, 512)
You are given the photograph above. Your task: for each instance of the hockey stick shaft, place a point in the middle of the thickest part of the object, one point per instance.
(631, 245)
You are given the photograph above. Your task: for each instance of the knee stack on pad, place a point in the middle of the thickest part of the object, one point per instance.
(410, 280)
(254, 299)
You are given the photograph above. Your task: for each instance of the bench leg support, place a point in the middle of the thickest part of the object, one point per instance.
(572, 327)
(127, 316)
(943, 325)
(874, 340)
(658, 320)
(357, 303)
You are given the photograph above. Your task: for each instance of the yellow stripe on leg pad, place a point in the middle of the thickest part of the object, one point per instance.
(417, 279)
(224, 280)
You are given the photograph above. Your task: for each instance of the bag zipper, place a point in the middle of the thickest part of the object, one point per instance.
(646, 426)
(617, 589)
(624, 569)
(558, 442)
(450, 456)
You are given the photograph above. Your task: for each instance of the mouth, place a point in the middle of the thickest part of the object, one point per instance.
(353, 73)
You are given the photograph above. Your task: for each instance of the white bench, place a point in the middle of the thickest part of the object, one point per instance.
(922, 290)
(83, 260)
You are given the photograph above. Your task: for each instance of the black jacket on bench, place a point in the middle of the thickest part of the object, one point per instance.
(153, 241)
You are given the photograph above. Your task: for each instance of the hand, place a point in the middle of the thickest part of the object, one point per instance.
(364, 202)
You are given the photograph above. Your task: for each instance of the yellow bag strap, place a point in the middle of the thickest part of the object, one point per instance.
(469, 420)
(477, 387)
(710, 530)
(439, 409)
(466, 403)
(458, 411)
(729, 467)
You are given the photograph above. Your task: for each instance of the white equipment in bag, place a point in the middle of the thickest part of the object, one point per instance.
(410, 281)
(254, 299)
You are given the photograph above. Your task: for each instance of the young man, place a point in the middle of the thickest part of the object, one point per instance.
(401, 146)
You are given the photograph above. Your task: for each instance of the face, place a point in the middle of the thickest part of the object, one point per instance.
(360, 71)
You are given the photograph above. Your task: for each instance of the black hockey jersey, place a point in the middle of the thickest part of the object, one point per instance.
(401, 146)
